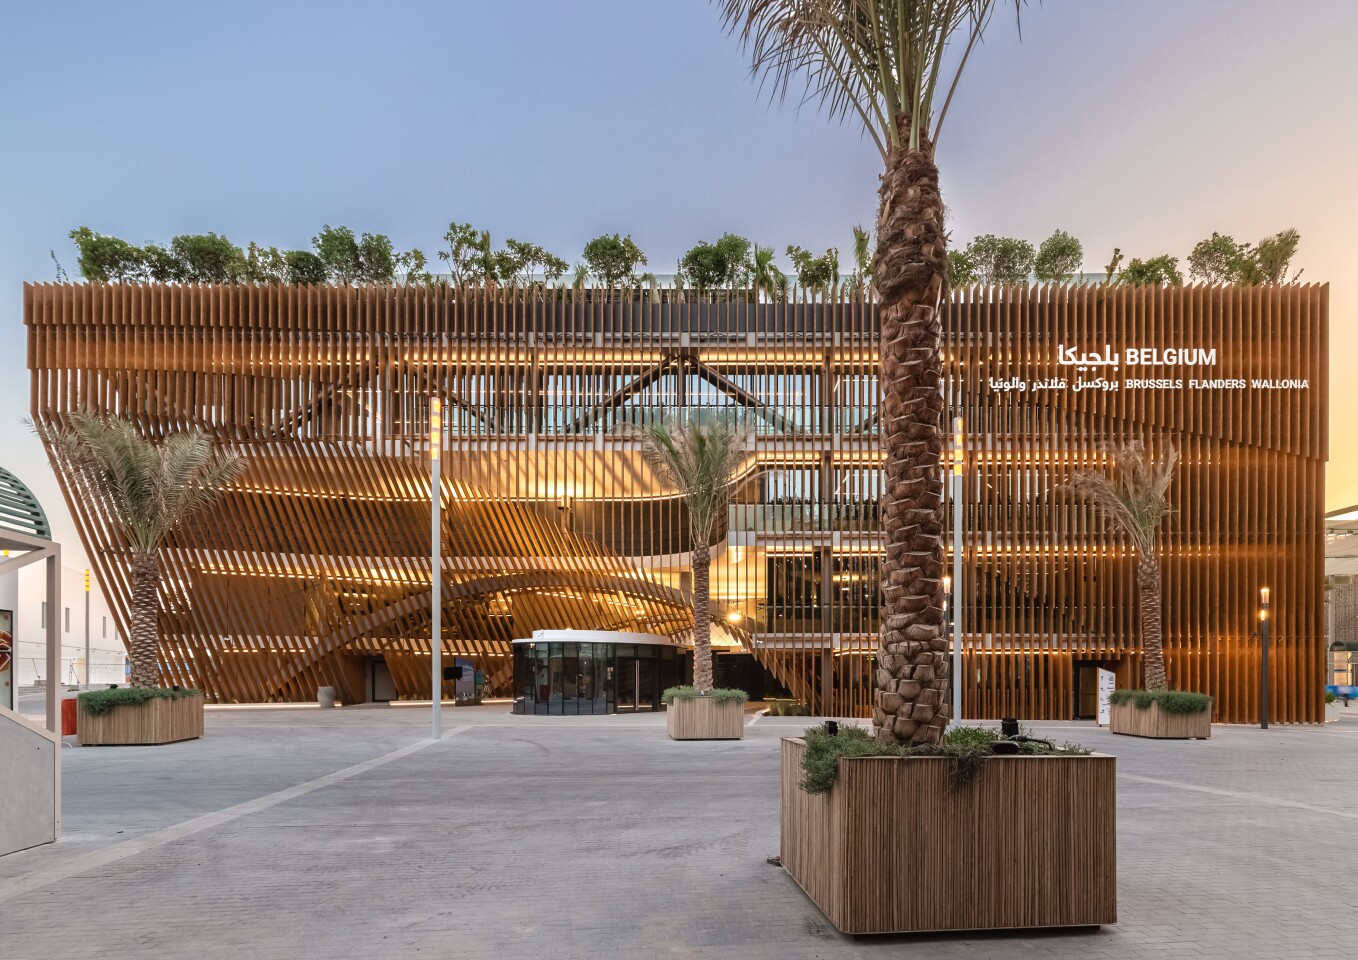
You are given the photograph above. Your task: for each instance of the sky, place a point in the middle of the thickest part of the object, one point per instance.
(1140, 124)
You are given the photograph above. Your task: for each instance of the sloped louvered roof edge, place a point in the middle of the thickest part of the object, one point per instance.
(20, 511)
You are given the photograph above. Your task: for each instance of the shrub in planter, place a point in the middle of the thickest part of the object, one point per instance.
(139, 715)
(892, 839)
(716, 714)
(1161, 714)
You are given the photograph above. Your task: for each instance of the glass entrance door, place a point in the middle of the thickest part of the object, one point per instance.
(626, 675)
(648, 684)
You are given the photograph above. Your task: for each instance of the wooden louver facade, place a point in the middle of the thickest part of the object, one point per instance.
(314, 567)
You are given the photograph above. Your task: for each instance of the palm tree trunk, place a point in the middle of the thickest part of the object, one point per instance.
(912, 661)
(1152, 641)
(145, 620)
(702, 620)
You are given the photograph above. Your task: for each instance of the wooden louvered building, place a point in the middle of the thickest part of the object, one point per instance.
(314, 568)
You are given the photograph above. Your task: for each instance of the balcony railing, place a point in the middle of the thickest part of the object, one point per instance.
(805, 517)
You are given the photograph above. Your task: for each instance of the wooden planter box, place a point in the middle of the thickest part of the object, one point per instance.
(155, 721)
(892, 849)
(1155, 723)
(703, 718)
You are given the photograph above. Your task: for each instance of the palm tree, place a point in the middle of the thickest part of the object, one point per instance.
(861, 279)
(1134, 497)
(698, 456)
(765, 277)
(146, 490)
(885, 63)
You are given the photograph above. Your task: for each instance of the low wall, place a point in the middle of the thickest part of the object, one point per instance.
(30, 783)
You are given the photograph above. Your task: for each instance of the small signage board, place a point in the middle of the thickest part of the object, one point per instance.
(8, 697)
(1107, 684)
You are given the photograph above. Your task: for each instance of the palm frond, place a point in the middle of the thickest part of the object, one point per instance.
(699, 456)
(146, 489)
(881, 61)
(1135, 493)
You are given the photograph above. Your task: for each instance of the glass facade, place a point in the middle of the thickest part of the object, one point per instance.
(574, 679)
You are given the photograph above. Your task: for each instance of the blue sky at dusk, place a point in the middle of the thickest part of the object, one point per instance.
(1142, 124)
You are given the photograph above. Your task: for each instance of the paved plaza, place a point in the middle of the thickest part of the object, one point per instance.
(336, 834)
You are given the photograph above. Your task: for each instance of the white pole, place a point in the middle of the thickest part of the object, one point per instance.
(436, 565)
(87, 628)
(957, 570)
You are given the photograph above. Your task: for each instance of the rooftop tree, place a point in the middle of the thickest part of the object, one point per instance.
(723, 264)
(1059, 258)
(613, 260)
(813, 272)
(1155, 272)
(1003, 260)
(893, 65)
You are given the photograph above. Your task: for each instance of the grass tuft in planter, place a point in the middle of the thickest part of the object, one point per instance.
(1169, 701)
(97, 703)
(719, 694)
(967, 747)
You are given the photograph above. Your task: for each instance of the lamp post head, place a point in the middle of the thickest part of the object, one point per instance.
(947, 583)
(1263, 597)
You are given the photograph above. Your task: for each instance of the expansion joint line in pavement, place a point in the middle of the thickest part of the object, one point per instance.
(1240, 795)
(96, 859)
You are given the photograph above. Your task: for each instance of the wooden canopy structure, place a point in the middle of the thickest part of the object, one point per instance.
(315, 563)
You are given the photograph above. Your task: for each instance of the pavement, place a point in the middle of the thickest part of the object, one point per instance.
(347, 833)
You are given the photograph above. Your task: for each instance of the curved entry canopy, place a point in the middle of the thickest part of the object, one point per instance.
(20, 511)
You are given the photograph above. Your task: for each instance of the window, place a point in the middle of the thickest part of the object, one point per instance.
(104, 625)
(43, 624)
(67, 627)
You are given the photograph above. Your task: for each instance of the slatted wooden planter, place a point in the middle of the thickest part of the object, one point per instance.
(155, 721)
(705, 718)
(1157, 724)
(893, 849)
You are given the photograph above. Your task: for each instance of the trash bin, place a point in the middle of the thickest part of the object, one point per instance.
(68, 708)
(325, 696)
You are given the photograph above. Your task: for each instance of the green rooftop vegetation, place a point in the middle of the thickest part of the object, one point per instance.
(467, 256)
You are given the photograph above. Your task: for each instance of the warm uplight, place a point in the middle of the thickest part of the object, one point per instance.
(734, 617)
(947, 584)
(957, 446)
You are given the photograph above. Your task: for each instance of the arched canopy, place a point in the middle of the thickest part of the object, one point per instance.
(20, 511)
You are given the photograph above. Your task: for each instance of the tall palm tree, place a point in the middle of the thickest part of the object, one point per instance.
(146, 490)
(1135, 497)
(886, 63)
(698, 456)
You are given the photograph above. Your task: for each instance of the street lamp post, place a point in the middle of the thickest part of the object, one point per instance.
(955, 589)
(1263, 654)
(436, 566)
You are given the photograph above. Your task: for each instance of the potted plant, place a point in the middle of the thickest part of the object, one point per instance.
(699, 455)
(1134, 495)
(139, 716)
(143, 489)
(1161, 714)
(714, 714)
(981, 833)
